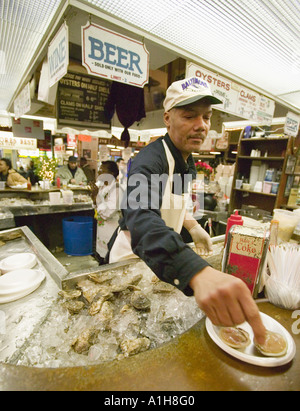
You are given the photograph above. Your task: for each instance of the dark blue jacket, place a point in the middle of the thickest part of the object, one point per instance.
(162, 249)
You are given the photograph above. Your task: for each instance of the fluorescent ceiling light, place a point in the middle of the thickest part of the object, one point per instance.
(254, 41)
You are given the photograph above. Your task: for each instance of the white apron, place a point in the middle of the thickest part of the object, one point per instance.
(172, 210)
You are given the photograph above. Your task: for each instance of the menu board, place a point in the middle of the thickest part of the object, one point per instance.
(80, 101)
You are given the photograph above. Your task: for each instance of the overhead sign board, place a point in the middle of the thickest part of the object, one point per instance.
(113, 56)
(81, 100)
(58, 55)
(9, 142)
(292, 124)
(22, 103)
(25, 127)
(237, 99)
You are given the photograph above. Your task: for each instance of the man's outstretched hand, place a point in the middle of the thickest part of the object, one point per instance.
(226, 300)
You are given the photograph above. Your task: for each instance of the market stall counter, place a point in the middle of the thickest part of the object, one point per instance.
(190, 362)
(39, 210)
(40, 348)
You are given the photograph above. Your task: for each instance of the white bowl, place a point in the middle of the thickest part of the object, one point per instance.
(16, 261)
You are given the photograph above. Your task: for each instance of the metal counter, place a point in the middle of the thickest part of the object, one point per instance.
(32, 208)
(39, 205)
(190, 361)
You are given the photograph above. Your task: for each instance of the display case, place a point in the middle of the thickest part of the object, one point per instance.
(34, 209)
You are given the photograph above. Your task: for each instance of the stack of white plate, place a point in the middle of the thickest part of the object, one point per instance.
(16, 261)
(19, 279)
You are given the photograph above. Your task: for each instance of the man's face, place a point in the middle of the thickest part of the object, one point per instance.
(3, 167)
(188, 126)
(72, 165)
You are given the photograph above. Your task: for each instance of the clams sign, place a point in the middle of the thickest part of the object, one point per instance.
(113, 56)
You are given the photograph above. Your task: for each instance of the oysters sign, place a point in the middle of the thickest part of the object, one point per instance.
(113, 56)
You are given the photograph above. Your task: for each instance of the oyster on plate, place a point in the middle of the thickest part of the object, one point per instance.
(235, 337)
(135, 346)
(275, 345)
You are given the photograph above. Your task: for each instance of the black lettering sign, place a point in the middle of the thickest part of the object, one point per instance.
(80, 101)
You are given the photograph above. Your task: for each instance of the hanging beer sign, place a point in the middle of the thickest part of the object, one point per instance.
(113, 56)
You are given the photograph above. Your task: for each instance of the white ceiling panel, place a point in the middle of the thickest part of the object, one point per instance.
(256, 41)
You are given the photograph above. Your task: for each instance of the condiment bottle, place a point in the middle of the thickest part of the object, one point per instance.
(58, 182)
(234, 219)
(28, 184)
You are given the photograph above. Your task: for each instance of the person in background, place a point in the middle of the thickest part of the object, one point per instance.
(22, 171)
(122, 172)
(71, 172)
(9, 175)
(89, 173)
(106, 194)
(31, 174)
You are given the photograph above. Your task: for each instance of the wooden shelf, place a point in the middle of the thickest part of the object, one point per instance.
(253, 139)
(255, 192)
(263, 158)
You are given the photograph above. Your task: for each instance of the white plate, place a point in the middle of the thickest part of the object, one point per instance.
(16, 261)
(17, 281)
(250, 354)
(17, 296)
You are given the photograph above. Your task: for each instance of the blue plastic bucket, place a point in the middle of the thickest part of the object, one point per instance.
(78, 235)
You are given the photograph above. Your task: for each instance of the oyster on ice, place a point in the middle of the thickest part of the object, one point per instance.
(135, 346)
(235, 337)
(74, 307)
(88, 337)
(162, 287)
(90, 289)
(101, 278)
(275, 345)
(70, 294)
(96, 305)
(140, 301)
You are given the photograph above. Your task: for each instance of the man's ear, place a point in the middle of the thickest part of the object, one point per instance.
(167, 118)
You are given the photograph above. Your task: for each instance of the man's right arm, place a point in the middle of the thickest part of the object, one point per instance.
(226, 300)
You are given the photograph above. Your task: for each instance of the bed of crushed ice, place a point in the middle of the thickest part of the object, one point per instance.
(170, 314)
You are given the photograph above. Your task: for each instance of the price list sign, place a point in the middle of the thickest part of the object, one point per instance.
(81, 100)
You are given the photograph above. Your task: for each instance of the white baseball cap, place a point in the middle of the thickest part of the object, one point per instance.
(187, 91)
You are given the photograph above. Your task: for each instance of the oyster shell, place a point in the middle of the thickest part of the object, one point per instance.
(69, 294)
(101, 278)
(162, 287)
(132, 347)
(275, 345)
(87, 338)
(139, 301)
(235, 337)
(130, 284)
(74, 307)
(90, 289)
(105, 315)
(97, 304)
